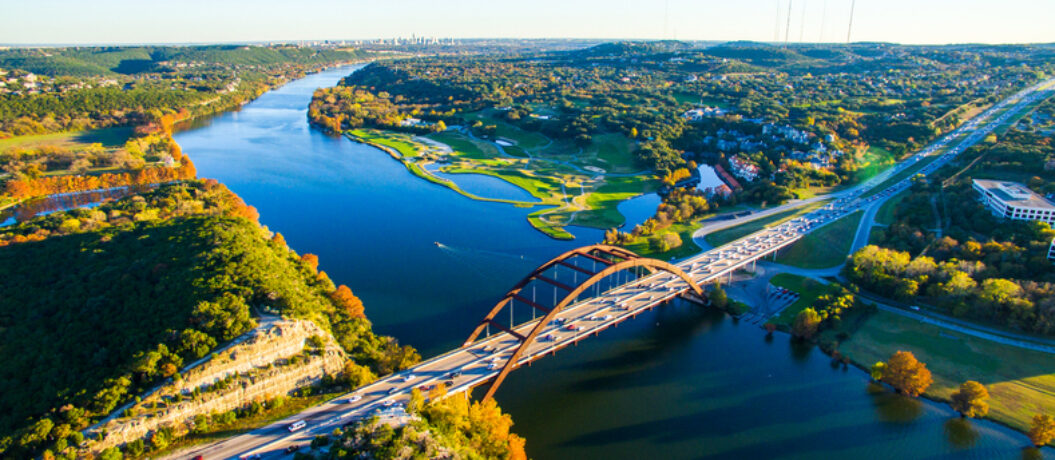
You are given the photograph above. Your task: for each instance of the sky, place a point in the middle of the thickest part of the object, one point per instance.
(212, 21)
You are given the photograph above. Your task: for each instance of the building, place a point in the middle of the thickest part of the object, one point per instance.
(1015, 201)
(1051, 250)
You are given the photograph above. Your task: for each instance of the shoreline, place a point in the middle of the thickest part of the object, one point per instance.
(534, 219)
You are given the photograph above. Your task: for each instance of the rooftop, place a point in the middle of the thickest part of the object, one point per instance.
(1014, 193)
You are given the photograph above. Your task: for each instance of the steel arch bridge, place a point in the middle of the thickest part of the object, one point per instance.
(613, 259)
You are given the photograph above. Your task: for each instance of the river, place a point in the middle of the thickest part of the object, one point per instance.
(680, 382)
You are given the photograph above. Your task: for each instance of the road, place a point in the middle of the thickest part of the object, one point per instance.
(464, 368)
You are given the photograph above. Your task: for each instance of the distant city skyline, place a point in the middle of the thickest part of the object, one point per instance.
(199, 21)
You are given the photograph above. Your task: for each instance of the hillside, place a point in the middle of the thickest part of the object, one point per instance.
(101, 304)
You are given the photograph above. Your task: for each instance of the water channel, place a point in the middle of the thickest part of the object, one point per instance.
(680, 382)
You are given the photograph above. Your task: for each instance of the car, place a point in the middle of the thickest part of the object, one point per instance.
(914, 308)
(448, 383)
(454, 374)
(492, 366)
(572, 327)
(292, 449)
(388, 403)
(426, 388)
(547, 338)
(392, 390)
(407, 378)
(355, 398)
(295, 426)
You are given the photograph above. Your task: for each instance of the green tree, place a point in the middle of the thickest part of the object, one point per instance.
(877, 370)
(969, 400)
(806, 324)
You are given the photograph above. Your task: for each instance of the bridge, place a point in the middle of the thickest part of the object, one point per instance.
(593, 288)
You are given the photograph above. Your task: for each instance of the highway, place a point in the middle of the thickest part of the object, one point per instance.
(464, 368)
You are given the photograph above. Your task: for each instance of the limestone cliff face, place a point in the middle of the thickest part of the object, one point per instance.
(273, 359)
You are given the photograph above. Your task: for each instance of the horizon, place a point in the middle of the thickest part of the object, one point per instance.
(127, 23)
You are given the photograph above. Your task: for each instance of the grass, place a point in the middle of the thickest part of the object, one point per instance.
(808, 290)
(734, 233)
(604, 201)
(885, 215)
(688, 247)
(874, 161)
(109, 138)
(465, 146)
(1021, 382)
(400, 143)
(826, 247)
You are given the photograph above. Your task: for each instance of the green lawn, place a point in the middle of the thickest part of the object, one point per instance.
(826, 247)
(604, 201)
(688, 247)
(874, 161)
(401, 143)
(464, 146)
(734, 233)
(885, 215)
(109, 137)
(808, 290)
(1021, 382)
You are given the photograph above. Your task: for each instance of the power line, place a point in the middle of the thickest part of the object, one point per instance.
(824, 15)
(802, 23)
(850, 28)
(787, 28)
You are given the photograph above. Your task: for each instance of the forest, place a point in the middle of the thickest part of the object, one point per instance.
(979, 266)
(115, 86)
(146, 284)
(831, 100)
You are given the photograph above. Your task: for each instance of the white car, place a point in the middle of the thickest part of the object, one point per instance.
(355, 398)
(492, 366)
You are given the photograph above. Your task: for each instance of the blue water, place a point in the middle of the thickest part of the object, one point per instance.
(486, 186)
(678, 383)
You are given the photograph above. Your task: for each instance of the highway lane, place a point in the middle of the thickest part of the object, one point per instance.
(463, 368)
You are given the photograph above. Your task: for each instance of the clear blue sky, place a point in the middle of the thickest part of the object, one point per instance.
(181, 21)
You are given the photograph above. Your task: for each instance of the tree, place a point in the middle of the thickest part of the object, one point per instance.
(877, 370)
(806, 324)
(969, 401)
(906, 374)
(344, 299)
(1042, 430)
(718, 297)
(312, 261)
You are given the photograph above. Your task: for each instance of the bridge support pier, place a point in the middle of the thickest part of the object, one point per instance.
(690, 296)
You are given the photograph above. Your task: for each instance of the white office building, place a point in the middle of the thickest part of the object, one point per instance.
(1012, 200)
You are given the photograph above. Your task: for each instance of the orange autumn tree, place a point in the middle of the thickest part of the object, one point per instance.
(345, 300)
(907, 374)
(312, 261)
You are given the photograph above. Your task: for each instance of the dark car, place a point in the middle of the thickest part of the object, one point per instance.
(293, 448)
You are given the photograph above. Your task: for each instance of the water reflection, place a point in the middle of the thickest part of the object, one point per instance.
(894, 408)
(961, 433)
(66, 201)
